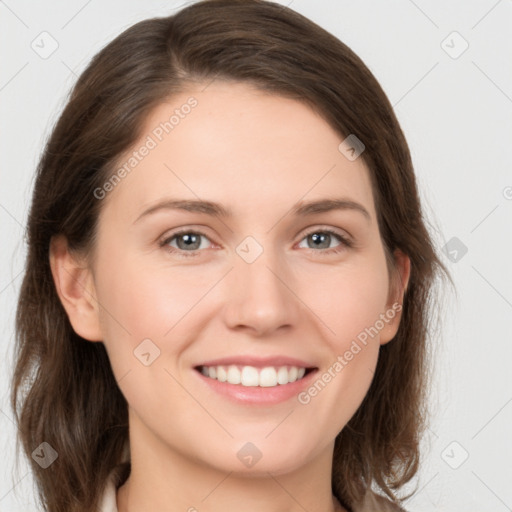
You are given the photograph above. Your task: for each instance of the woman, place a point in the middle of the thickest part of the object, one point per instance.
(226, 295)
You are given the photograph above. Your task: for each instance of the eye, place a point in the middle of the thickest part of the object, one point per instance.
(187, 242)
(321, 238)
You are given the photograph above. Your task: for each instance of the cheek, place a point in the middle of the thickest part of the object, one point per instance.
(144, 302)
(350, 304)
(143, 299)
(348, 300)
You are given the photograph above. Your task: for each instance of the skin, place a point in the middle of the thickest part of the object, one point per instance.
(258, 155)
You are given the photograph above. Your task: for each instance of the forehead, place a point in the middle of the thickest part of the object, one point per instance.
(234, 144)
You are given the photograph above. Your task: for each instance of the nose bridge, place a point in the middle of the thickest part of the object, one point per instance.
(259, 296)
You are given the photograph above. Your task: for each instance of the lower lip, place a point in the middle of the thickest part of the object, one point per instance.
(256, 394)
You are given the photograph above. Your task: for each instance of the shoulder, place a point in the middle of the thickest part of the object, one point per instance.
(373, 502)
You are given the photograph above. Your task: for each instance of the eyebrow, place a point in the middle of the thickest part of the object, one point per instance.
(300, 209)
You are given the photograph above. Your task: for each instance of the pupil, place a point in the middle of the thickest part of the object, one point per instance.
(189, 239)
(322, 237)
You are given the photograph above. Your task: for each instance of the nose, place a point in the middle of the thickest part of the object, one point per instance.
(260, 296)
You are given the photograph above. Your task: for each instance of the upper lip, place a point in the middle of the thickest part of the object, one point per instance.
(258, 362)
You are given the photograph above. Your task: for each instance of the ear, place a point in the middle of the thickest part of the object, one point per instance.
(75, 288)
(398, 286)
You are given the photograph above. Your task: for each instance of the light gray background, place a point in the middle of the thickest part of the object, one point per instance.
(457, 117)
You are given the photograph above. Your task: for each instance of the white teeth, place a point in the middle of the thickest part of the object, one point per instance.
(234, 376)
(250, 376)
(268, 377)
(282, 375)
(253, 377)
(222, 375)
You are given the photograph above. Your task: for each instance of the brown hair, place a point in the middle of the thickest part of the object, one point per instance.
(63, 389)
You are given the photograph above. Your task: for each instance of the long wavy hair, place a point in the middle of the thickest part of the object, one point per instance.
(64, 392)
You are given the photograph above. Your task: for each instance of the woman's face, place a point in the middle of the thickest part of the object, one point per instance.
(256, 278)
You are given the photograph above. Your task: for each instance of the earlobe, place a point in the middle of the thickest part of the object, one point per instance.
(398, 287)
(75, 288)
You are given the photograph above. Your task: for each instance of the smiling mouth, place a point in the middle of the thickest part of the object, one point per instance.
(250, 376)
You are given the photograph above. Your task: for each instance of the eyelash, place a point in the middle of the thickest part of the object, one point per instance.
(345, 242)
